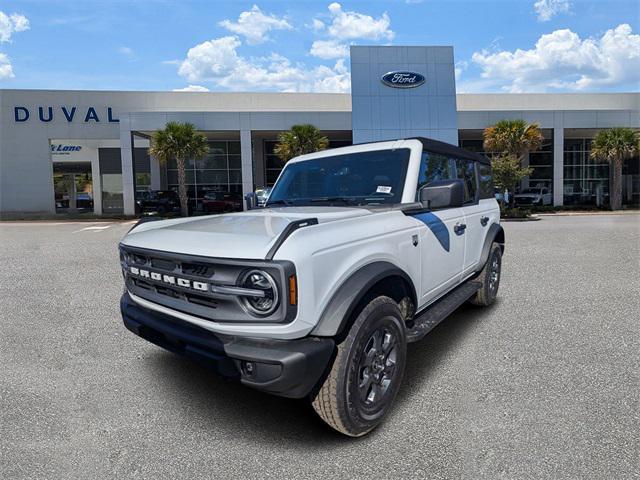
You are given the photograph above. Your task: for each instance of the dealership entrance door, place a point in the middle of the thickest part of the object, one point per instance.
(73, 187)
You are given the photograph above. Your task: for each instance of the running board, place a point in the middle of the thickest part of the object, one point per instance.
(439, 310)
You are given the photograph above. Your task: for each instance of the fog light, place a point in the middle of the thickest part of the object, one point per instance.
(248, 368)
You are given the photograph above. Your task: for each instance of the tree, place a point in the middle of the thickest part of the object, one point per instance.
(179, 141)
(509, 142)
(615, 145)
(508, 172)
(515, 138)
(299, 140)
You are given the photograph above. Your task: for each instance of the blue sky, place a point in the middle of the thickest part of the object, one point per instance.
(500, 46)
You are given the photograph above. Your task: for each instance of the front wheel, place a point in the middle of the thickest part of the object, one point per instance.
(489, 278)
(367, 371)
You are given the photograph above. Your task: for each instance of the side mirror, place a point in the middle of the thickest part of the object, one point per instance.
(251, 200)
(442, 194)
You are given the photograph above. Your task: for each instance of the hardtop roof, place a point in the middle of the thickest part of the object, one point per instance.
(447, 149)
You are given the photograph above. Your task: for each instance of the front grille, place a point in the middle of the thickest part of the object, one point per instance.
(186, 283)
(193, 271)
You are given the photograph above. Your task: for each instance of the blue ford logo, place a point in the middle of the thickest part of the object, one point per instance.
(401, 79)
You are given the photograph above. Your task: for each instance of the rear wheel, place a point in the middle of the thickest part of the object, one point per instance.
(367, 371)
(489, 278)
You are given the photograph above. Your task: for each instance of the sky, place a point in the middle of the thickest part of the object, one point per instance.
(162, 45)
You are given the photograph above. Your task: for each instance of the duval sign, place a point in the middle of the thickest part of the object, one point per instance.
(47, 114)
(403, 79)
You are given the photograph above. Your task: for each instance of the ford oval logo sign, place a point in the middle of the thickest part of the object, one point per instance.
(401, 79)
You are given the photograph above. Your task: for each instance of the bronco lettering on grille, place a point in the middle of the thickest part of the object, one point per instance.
(169, 279)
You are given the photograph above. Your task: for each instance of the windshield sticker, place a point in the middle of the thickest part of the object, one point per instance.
(383, 189)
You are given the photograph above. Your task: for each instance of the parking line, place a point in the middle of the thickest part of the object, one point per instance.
(94, 228)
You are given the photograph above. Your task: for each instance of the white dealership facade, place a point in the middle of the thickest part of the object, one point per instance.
(91, 146)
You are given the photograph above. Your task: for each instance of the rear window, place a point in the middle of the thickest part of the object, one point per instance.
(486, 181)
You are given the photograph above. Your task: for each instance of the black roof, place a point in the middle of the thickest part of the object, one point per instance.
(447, 149)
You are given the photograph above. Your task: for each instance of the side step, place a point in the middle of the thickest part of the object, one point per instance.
(440, 309)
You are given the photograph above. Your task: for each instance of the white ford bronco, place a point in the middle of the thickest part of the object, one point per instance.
(357, 252)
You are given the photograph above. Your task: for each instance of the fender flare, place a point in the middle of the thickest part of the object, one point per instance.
(338, 311)
(495, 234)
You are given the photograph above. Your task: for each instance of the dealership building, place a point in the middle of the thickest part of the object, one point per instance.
(64, 151)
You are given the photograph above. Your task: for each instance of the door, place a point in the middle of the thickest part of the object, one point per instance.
(476, 214)
(442, 243)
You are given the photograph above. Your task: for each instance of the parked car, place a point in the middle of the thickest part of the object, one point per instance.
(262, 195)
(534, 196)
(357, 253)
(84, 200)
(221, 202)
(159, 201)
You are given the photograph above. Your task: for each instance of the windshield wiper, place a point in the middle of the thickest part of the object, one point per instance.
(345, 200)
(279, 202)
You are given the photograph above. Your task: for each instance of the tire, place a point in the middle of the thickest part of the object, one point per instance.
(489, 278)
(367, 371)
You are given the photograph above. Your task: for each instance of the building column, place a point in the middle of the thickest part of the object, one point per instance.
(126, 156)
(154, 166)
(96, 182)
(558, 166)
(246, 158)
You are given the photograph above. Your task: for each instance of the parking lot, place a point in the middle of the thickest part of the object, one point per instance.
(544, 384)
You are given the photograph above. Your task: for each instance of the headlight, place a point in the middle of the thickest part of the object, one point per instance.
(260, 280)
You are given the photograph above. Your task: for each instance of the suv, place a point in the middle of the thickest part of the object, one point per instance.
(359, 251)
(160, 201)
(534, 196)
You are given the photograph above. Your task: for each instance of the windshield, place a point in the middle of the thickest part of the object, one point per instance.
(352, 179)
(531, 191)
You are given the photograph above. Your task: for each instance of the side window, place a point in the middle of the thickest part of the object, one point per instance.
(466, 172)
(486, 181)
(434, 167)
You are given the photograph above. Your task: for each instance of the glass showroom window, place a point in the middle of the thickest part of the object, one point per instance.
(586, 181)
(219, 171)
(541, 162)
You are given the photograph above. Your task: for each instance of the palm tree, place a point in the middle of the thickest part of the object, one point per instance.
(615, 145)
(510, 141)
(515, 138)
(299, 140)
(179, 141)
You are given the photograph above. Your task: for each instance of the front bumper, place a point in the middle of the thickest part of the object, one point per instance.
(289, 368)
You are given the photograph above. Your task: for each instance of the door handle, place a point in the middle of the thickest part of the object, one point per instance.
(484, 221)
(459, 228)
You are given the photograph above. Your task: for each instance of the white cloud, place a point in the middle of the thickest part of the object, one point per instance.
(351, 25)
(10, 24)
(317, 25)
(561, 60)
(547, 9)
(6, 70)
(345, 25)
(328, 49)
(126, 51)
(255, 24)
(218, 61)
(192, 88)
(212, 59)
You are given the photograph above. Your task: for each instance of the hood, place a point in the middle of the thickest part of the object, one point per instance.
(527, 195)
(247, 235)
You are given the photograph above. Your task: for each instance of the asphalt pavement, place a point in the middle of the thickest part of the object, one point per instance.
(544, 384)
